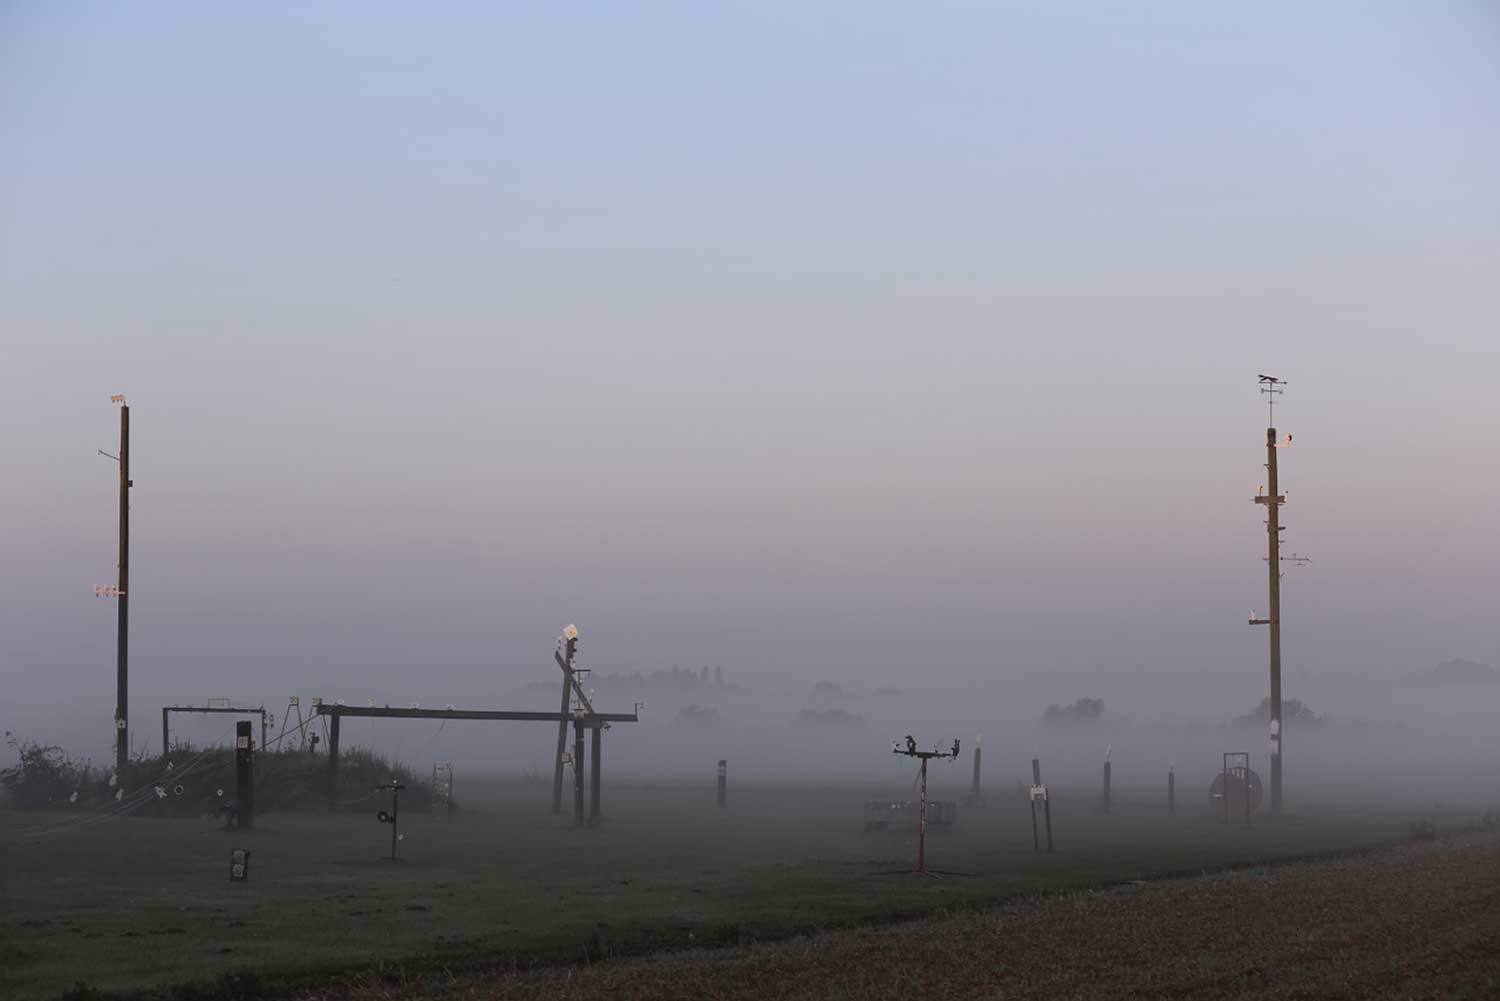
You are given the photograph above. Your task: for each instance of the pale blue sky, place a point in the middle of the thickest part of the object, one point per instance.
(867, 337)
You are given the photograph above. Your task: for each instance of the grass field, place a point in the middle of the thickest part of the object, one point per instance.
(1412, 922)
(146, 906)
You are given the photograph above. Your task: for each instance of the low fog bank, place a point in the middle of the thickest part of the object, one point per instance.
(1404, 742)
(1408, 740)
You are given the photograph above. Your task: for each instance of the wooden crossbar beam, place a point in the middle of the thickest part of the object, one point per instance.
(393, 712)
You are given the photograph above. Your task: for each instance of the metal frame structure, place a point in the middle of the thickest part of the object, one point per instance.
(910, 751)
(1241, 763)
(592, 721)
(393, 817)
(227, 707)
(299, 732)
(442, 786)
(575, 704)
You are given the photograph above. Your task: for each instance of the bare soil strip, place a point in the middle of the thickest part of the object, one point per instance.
(1417, 921)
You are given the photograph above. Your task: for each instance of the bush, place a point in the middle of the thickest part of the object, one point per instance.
(697, 714)
(1490, 821)
(1421, 830)
(199, 781)
(44, 776)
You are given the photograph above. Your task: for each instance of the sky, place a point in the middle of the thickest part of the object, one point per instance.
(892, 345)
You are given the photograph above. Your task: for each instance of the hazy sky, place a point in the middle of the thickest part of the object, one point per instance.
(875, 342)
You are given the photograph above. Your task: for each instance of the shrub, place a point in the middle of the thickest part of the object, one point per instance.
(1490, 821)
(1421, 830)
(44, 776)
(199, 781)
(697, 714)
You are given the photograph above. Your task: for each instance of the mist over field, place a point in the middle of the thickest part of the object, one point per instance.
(1034, 377)
(440, 335)
(1405, 741)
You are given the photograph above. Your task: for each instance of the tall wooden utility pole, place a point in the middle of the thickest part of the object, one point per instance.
(122, 675)
(120, 592)
(1273, 498)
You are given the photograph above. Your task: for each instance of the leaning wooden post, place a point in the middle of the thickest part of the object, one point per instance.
(723, 780)
(564, 661)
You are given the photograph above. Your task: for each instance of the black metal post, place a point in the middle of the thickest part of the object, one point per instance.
(723, 780)
(395, 818)
(1225, 790)
(974, 785)
(1171, 792)
(244, 774)
(1047, 813)
(922, 824)
(333, 759)
(1106, 786)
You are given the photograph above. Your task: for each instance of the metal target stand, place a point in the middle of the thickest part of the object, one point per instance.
(1237, 781)
(909, 749)
(391, 817)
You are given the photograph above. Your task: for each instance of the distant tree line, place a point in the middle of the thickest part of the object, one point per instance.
(1081, 711)
(836, 718)
(1292, 711)
(675, 680)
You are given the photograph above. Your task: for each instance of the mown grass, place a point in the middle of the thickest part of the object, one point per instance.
(144, 906)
